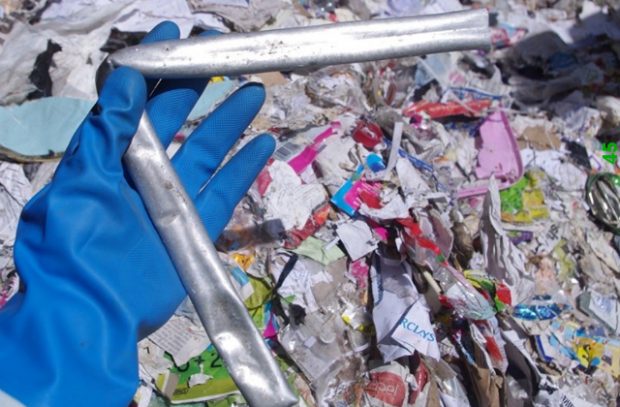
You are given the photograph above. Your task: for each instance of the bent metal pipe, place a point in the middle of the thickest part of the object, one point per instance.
(206, 280)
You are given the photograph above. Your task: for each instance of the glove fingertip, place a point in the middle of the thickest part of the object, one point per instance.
(265, 144)
(221, 195)
(166, 30)
(254, 94)
(125, 87)
(210, 33)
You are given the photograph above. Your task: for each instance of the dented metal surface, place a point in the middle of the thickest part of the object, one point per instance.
(206, 281)
(293, 48)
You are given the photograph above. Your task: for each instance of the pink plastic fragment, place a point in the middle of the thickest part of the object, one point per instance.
(302, 160)
(270, 330)
(359, 270)
(499, 155)
(367, 193)
(378, 230)
(263, 180)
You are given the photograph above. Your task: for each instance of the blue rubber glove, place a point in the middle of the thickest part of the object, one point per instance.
(96, 273)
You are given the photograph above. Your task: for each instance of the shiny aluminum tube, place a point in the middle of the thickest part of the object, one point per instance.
(206, 281)
(293, 48)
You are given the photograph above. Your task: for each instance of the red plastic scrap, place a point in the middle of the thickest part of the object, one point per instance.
(414, 237)
(263, 180)
(493, 349)
(421, 378)
(438, 110)
(318, 219)
(367, 133)
(502, 292)
(367, 193)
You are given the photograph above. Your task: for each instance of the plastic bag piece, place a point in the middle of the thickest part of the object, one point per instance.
(387, 387)
(541, 307)
(453, 393)
(457, 290)
(461, 295)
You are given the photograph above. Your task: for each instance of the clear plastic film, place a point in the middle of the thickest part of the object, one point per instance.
(459, 292)
(461, 295)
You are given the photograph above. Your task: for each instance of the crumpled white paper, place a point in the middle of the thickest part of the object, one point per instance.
(181, 338)
(288, 199)
(503, 259)
(357, 238)
(415, 332)
(399, 314)
(15, 190)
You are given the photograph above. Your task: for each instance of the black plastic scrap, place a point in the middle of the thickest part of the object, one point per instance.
(40, 75)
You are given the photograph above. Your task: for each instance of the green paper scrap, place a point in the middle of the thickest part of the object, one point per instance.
(220, 391)
(315, 249)
(565, 265)
(232, 400)
(524, 202)
(159, 401)
(175, 383)
(256, 302)
(512, 198)
(499, 305)
(289, 299)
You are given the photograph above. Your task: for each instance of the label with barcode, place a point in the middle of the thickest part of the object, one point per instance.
(287, 151)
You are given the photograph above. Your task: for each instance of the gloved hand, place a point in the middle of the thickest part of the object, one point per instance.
(97, 276)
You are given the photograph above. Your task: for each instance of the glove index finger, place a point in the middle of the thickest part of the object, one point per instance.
(105, 134)
(166, 30)
(171, 102)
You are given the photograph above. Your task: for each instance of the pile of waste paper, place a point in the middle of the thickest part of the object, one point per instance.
(441, 230)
